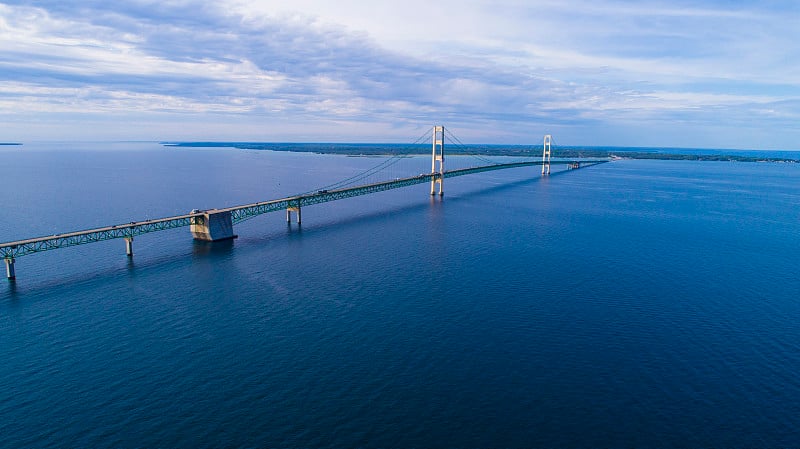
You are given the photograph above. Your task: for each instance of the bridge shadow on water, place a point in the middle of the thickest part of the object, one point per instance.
(9, 291)
(295, 231)
(216, 249)
(200, 250)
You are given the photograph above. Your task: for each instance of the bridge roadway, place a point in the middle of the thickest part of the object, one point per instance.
(11, 250)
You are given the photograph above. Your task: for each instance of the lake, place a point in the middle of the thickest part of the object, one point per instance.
(635, 303)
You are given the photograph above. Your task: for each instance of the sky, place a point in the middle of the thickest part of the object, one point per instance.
(697, 74)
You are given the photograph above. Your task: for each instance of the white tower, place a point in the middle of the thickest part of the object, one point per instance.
(548, 139)
(438, 155)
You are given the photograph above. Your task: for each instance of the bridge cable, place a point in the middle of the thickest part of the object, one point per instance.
(490, 161)
(463, 147)
(376, 169)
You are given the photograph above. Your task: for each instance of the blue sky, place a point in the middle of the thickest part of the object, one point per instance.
(718, 74)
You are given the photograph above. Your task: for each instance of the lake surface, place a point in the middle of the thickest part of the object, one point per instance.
(634, 303)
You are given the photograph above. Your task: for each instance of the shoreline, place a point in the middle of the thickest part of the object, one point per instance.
(374, 150)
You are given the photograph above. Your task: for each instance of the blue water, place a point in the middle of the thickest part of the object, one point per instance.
(633, 304)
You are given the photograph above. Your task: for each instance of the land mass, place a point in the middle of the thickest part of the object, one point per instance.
(362, 149)
(670, 156)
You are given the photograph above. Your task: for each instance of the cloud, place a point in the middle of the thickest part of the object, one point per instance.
(523, 67)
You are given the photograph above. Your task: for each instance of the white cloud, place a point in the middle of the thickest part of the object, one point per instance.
(394, 65)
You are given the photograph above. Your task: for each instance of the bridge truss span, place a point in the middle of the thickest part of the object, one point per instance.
(126, 231)
(217, 224)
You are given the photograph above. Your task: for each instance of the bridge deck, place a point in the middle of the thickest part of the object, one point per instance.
(10, 250)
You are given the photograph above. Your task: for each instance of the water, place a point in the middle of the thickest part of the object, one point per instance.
(635, 303)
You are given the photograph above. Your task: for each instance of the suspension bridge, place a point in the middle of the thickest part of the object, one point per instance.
(217, 224)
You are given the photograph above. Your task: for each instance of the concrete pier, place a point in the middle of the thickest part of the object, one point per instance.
(289, 214)
(214, 226)
(129, 246)
(10, 273)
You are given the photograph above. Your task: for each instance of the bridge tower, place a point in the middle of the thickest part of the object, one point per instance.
(438, 155)
(548, 140)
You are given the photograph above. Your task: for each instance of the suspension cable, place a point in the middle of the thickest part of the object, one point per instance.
(463, 147)
(375, 169)
(403, 154)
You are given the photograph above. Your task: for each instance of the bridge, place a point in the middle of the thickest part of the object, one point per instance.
(217, 224)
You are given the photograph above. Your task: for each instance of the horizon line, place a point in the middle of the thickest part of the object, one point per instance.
(244, 142)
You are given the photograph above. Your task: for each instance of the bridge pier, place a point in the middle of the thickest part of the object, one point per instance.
(129, 246)
(10, 273)
(289, 211)
(214, 226)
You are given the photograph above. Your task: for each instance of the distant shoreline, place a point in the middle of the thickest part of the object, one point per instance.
(362, 149)
(672, 156)
(9, 144)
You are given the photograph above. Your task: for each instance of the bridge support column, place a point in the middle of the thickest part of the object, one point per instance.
(10, 273)
(548, 140)
(438, 155)
(213, 226)
(129, 246)
(289, 211)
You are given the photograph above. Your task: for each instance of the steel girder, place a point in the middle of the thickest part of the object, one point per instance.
(20, 248)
